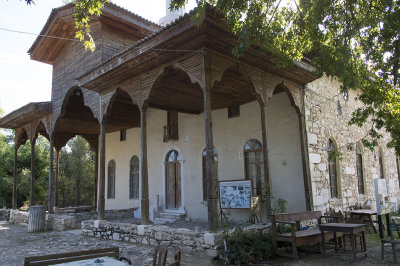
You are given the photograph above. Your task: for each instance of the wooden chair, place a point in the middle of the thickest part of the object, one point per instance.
(160, 256)
(391, 227)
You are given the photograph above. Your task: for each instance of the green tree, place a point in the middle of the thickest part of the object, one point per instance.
(76, 177)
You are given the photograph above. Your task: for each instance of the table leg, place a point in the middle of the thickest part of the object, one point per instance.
(353, 246)
(363, 241)
(323, 243)
(335, 239)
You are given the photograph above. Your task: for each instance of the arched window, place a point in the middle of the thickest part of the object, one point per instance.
(380, 156)
(215, 157)
(332, 161)
(111, 180)
(359, 166)
(253, 162)
(134, 178)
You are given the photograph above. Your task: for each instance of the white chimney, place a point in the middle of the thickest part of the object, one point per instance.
(170, 15)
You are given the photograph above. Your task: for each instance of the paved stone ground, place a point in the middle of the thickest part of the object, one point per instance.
(16, 243)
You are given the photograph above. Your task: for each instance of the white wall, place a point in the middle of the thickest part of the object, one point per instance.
(285, 153)
(230, 136)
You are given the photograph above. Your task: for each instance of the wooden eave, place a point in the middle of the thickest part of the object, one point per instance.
(26, 114)
(61, 23)
(177, 40)
(183, 34)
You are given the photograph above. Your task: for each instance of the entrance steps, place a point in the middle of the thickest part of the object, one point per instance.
(168, 217)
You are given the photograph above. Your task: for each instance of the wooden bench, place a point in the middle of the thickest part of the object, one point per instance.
(73, 256)
(297, 237)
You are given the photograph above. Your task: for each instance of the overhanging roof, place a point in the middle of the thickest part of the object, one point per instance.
(26, 114)
(61, 23)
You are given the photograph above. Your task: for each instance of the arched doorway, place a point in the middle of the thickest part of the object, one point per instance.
(173, 180)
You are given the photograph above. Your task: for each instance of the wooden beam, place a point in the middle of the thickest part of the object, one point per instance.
(51, 177)
(14, 194)
(144, 200)
(102, 176)
(32, 187)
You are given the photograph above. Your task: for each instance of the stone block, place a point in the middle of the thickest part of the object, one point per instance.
(322, 166)
(212, 253)
(116, 236)
(209, 239)
(98, 223)
(318, 200)
(312, 138)
(350, 170)
(140, 229)
(315, 158)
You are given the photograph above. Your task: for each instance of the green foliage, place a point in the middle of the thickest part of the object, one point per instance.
(24, 164)
(246, 247)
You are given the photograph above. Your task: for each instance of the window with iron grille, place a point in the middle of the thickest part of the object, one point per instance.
(233, 111)
(380, 155)
(360, 173)
(332, 162)
(122, 135)
(253, 162)
(134, 178)
(111, 180)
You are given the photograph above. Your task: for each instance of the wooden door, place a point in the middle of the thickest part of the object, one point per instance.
(173, 189)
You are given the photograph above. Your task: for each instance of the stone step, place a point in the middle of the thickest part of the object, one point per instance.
(163, 221)
(172, 215)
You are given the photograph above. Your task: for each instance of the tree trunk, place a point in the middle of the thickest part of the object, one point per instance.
(37, 217)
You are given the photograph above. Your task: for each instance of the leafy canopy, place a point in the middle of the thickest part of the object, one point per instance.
(357, 41)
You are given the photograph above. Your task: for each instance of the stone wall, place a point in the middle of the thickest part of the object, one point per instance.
(323, 123)
(4, 214)
(19, 217)
(181, 238)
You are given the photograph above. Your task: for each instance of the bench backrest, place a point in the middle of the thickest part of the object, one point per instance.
(72, 256)
(296, 216)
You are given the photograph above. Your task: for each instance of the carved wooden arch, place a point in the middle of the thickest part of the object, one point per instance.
(292, 100)
(20, 137)
(192, 67)
(35, 127)
(62, 109)
(219, 65)
(108, 100)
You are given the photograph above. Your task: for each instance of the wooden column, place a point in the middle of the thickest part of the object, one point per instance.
(102, 172)
(56, 181)
(32, 188)
(14, 191)
(144, 200)
(51, 177)
(267, 174)
(211, 182)
(96, 174)
(304, 154)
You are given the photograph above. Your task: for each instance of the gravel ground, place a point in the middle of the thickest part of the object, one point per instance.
(16, 243)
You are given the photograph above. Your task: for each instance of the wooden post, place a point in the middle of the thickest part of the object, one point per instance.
(37, 218)
(144, 201)
(14, 194)
(96, 174)
(51, 177)
(211, 182)
(267, 175)
(56, 181)
(102, 176)
(304, 155)
(32, 188)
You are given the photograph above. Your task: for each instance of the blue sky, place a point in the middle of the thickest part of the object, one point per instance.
(23, 80)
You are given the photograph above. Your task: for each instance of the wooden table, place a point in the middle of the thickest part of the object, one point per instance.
(365, 213)
(102, 261)
(350, 229)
